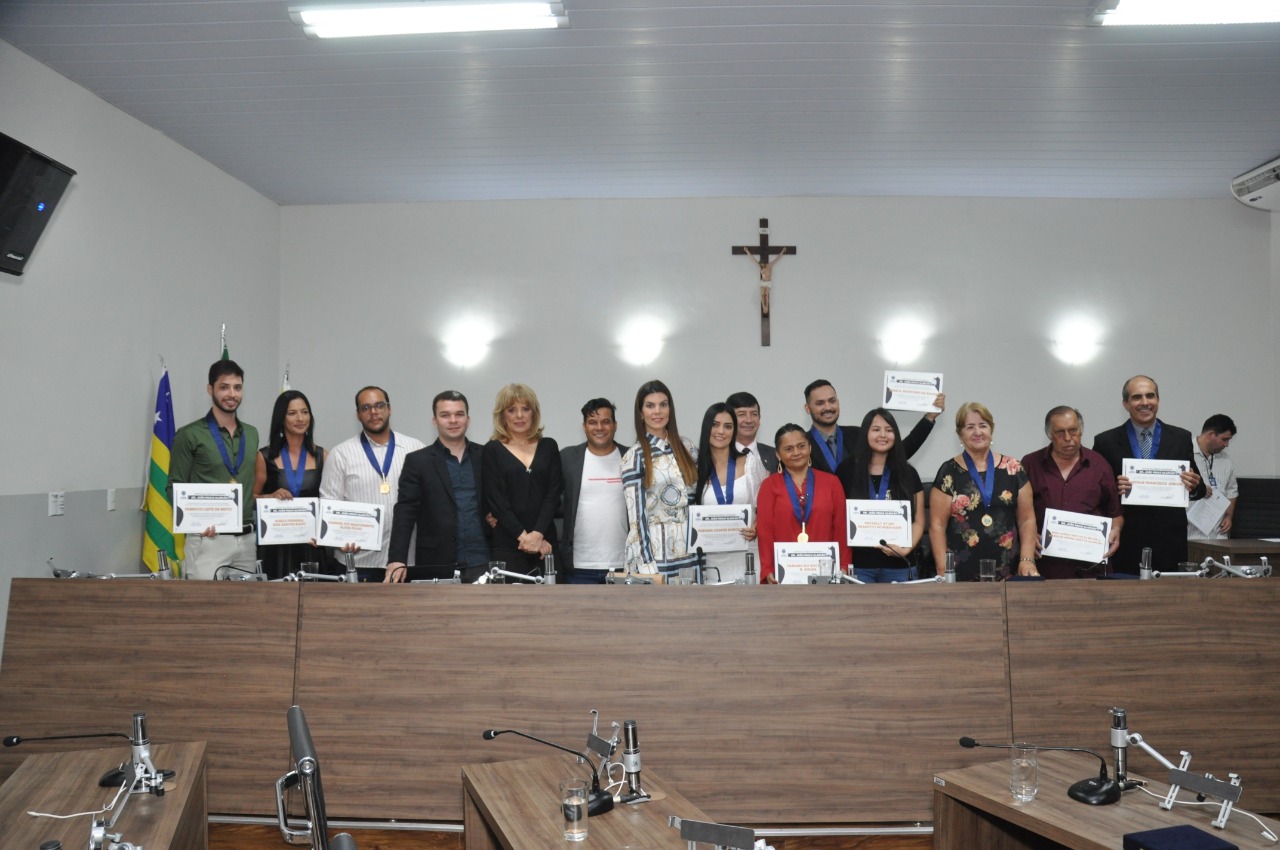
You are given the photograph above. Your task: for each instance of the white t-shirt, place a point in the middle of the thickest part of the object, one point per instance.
(600, 528)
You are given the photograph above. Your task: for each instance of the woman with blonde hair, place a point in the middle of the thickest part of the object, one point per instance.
(522, 481)
(657, 474)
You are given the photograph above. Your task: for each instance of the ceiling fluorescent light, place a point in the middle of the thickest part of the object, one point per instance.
(1184, 12)
(349, 20)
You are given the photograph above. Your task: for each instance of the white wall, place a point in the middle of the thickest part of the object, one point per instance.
(1184, 290)
(149, 251)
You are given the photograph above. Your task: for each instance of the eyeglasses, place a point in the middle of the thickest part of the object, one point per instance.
(377, 405)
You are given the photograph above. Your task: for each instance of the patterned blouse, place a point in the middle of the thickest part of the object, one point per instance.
(967, 535)
(657, 517)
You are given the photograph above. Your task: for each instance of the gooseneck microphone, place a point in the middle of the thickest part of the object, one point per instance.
(1095, 791)
(599, 802)
(15, 740)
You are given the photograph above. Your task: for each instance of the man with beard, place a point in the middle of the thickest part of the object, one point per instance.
(214, 450)
(366, 468)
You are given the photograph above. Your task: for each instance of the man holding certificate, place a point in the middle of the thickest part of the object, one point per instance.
(217, 450)
(1068, 478)
(830, 442)
(1148, 520)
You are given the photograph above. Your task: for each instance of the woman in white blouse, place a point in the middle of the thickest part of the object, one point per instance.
(727, 477)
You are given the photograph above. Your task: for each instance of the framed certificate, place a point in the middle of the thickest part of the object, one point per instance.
(794, 563)
(199, 506)
(1155, 482)
(284, 521)
(912, 391)
(873, 520)
(718, 528)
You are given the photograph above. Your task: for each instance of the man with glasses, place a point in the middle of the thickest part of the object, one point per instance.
(366, 468)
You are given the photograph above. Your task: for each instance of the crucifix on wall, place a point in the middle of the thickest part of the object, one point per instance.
(764, 256)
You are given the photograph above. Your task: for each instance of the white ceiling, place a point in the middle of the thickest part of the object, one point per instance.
(685, 98)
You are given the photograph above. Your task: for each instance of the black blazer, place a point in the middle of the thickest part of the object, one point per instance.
(572, 459)
(1162, 529)
(426, 503)
(852, 433)
(768, 456)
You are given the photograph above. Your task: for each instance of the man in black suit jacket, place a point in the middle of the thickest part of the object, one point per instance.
(440, 489)
(746, 409)
(599, 422)
(823, 407)
(1164, 530)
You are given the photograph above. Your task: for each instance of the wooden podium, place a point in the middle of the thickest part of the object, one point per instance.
(67, 782)
(972, 807)
(515, 805)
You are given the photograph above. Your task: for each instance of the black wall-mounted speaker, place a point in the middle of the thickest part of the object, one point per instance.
(31, 184)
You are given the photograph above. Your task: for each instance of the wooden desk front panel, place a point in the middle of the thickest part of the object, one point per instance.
(206, 661)
(782, 705)
(1193, 661)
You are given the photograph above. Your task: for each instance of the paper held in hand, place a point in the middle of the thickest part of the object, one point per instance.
(912, 391)
(199, 506)
(1156, 483)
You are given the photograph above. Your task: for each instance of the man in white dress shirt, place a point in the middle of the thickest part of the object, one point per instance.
(366, 468)
(1219, 475)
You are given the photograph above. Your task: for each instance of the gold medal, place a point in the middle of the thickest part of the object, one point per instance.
(986, 521)
(802, 537)
(384, 487)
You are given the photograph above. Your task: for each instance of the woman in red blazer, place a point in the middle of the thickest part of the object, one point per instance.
(799, 503)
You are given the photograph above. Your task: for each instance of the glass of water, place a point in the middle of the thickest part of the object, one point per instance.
(1024, 773)
(573, 798)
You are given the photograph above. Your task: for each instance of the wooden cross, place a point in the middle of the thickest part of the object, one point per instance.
(761, 257)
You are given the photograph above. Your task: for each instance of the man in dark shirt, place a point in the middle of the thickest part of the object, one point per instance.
(831, 442)
(1066, 476)
(440, 489)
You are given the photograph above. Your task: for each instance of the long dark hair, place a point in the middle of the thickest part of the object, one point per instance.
(276, 443)
(855, 473)
(707, 464)
(688, 471)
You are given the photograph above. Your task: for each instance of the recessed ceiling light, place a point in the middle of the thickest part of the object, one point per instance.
(1184, 12)
(353, 20)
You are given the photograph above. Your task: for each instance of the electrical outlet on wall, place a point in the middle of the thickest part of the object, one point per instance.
(57, 502)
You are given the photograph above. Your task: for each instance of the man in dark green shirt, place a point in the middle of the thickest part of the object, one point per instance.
(216, 449)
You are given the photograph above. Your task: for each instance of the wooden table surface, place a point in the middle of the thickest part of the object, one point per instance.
(520, 803)
(67, 782)
(1054, 815)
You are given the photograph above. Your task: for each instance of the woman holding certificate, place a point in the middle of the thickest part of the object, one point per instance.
(289, 467)
(657, 473)
(798, 504)
(878, 471)
(727, 477)
(522, 481)
(981, 505)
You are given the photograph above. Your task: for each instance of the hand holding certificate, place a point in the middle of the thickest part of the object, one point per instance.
(281, 522)
(718, 528)
(1157, 483)
(200, 506)
(912, 391)
(351, 522)
(1079, 537)
(873, 520)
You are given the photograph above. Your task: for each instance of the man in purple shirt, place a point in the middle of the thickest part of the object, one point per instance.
(1068, 477)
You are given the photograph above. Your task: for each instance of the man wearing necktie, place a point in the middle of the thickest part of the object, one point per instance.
(1162, 529)
(832, 443)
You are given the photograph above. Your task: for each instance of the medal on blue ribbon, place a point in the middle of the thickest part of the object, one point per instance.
(802, 509)
(832, 460)
(385, 486)
(882, 492)
(293, 477)
(216, 432)
(1132, 434)
(725, 496)
(986, 483)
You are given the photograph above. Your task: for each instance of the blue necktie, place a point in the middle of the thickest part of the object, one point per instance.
(1144, 443)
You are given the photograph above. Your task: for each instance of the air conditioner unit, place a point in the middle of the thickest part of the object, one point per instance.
(1259, 188)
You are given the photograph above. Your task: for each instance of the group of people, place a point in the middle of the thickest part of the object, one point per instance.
(456, 505)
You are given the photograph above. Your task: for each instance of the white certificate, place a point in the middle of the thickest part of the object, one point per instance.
(282, 521)
(912, 391)
(199, 506)
(793, 563)
(1155, 482)
(1206, 514)
(873, 520)
(718, 528)
(351, 522)
(1080, 537)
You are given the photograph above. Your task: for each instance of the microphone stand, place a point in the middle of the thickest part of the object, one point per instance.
(599, 802)
(1095, 791)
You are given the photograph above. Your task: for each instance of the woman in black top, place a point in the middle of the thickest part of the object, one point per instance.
(522, 481)
(878, 469)
(289, 467)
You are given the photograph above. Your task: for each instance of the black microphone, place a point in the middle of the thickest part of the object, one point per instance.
(631, 763)
(1095, 791)
(903, 558)
(599, 802)
(15, 740)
